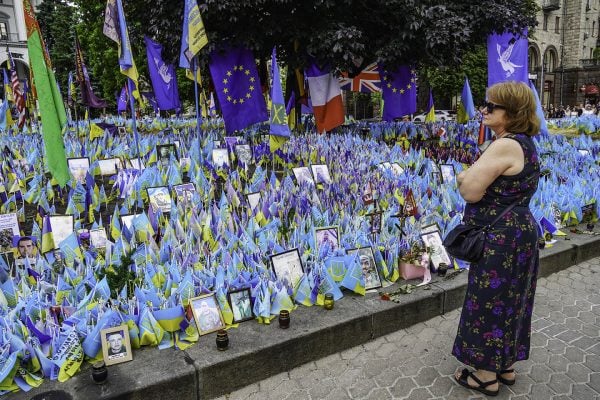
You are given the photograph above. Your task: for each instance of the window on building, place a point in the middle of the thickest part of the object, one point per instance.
(545, 22)
(3, 30)
(557, 25)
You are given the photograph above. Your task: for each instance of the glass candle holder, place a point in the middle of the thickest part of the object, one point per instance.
(99, 372)
(222, 340)
(284, 319)
(329, 302)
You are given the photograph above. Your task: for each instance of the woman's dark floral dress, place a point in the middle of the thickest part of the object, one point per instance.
(495, 324)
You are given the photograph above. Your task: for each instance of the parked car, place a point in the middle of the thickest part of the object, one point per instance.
(440, 115)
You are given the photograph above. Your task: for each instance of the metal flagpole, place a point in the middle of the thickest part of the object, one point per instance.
(198, 116)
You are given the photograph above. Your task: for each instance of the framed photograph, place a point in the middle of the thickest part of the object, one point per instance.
(430, 228)
(27, 246)
(410, 205)
(116, 347)
(558, 222)
(376, 219)
(122, 131)
(287, 267)
(127, 220)
(184, 192)
(207, 314)
(587, 212)
(584, 152)
(448, 173)
(62, 227)
(79, 167)
(110, 166)
(135, 163)
(368, 195)
(244, 153)
(159, 198)
(98, 238)
(437, 252)
(9, 229)
(368, 266)
(303, 175)
(436, 176)
(329, 236)
(220, 158)
(164, 152)
(253, 199)
(320, 173)
(240, 302)
(397, 169)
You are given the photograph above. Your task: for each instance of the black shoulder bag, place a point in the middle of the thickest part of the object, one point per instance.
(466, 242)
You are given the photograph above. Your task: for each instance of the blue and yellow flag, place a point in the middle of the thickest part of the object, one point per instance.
(430, 117)
(115, 28)
(279, 129)
(466, 108)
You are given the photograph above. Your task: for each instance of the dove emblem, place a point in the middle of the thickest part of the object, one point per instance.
(504, 58)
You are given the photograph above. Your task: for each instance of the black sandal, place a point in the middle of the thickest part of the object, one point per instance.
(465, 374)
(505, 381)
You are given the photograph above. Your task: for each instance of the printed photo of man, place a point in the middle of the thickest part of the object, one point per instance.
(116, 347)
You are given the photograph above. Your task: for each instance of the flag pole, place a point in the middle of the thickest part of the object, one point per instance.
(198, 117)
(133, 120)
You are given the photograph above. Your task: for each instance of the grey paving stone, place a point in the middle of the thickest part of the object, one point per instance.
(361, 388)
(556, 346)
(574, 354)
(558, 363)
(555, 329)
(322, 389)
(585, 342)
(595, 381)
(540, 373)
(339, 394)
(595, 349)
(442, 386)
(379, 394)
(402, 387)
(560, 383)
(579, 373)
(540, 392)
(568, 336)
(420, 394)
(592, 361)
(522, 385)
(583, 392)
(426, 376)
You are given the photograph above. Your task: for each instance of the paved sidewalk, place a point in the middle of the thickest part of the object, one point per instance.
(415, 363)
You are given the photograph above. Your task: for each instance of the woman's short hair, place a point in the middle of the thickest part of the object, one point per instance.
(519, 102)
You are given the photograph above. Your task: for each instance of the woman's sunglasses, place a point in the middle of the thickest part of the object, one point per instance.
(490, 107)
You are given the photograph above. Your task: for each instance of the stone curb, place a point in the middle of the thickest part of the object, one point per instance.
(258, 351)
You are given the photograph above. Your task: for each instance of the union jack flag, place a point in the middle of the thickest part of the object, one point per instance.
(367, 81)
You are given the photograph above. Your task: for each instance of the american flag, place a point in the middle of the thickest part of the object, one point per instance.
(17, 93)
(367, 81)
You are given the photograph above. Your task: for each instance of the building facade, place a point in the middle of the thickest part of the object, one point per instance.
(13, 35)
(564, 61)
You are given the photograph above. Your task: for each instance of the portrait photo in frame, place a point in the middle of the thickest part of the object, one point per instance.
(287, 267)
(220, 158)
(435, 248)
(184, 192)
(110, 166)
(135, 163)
(116, 347)
(253, 199)
(448, 173)
(430, 228)
(164, 152)
(78, 167)
(240, 302)
(207, 314)
(122, 131)
(244, 153)
(98, 238)
(9, 229)
(368, 266)
(376, 220)
(368, 195)
(159, 198)
(62, 227)
(127, 220)
(328, 235)
(303, 175)
(320, 173)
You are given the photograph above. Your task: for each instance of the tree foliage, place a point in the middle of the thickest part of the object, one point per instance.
(345, 34)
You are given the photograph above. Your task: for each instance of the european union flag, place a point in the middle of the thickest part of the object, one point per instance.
(399, 89)
(237, 85)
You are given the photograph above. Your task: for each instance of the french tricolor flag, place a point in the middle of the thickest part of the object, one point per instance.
(326, 97)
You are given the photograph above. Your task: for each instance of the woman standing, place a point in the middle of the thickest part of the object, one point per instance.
(495, 324)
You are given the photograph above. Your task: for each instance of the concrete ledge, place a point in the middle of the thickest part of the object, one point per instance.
(259, 351)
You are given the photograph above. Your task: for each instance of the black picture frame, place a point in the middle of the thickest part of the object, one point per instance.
(244, 154)
(241, 304)
(287, 266)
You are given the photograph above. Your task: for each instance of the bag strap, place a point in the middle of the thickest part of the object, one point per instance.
(506, 210)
